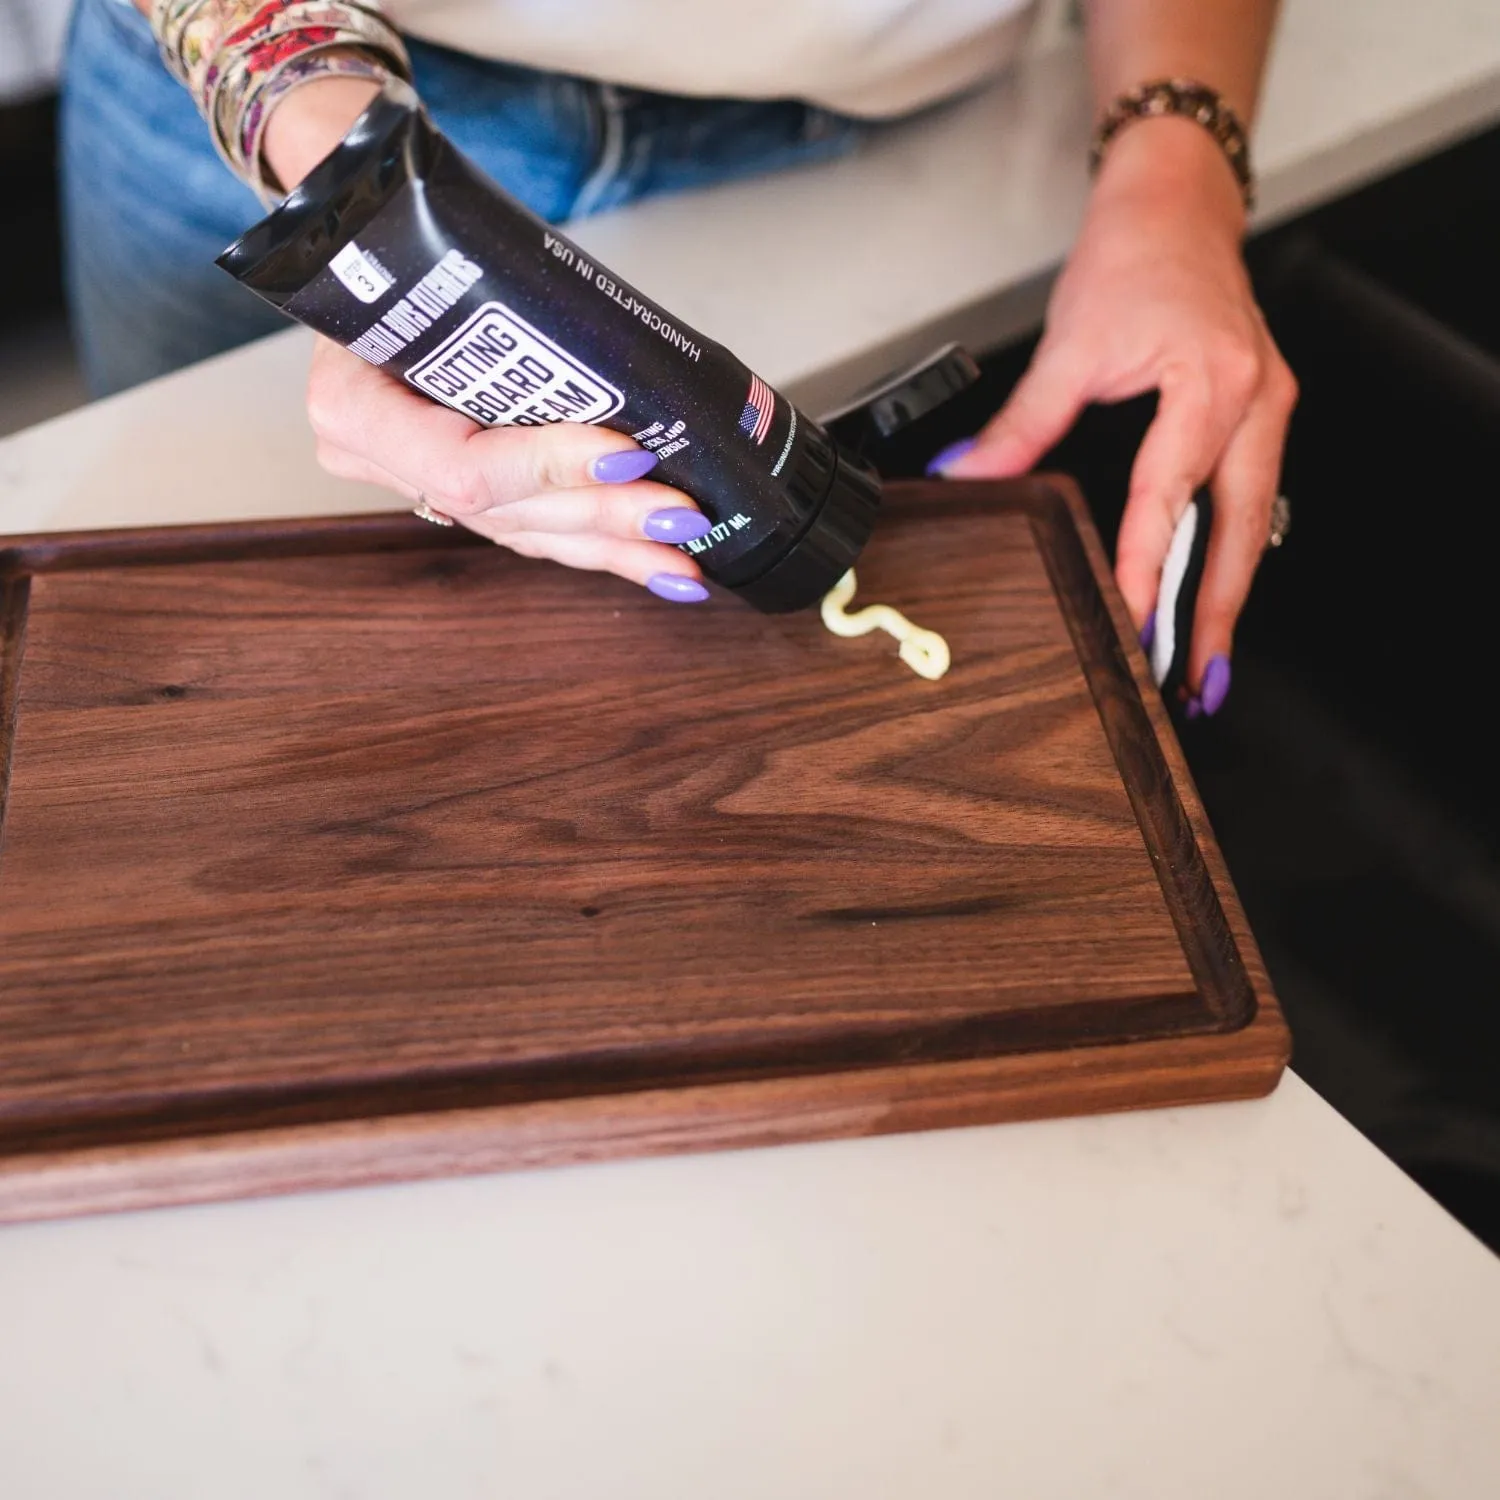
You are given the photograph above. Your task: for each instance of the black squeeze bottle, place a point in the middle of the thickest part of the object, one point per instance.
(402, 251)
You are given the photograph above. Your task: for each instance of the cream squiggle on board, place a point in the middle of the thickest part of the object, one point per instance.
(924, 651)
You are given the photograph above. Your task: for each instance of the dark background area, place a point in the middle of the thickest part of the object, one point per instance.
(1350, 776)
(38, 375)
(30, 257)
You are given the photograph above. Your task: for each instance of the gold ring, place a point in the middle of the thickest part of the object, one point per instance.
(427, 513)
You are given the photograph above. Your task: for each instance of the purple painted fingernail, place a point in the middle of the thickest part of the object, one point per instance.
(1194, 708)
(1148, 631)
(951, 454)
(622, 467)
(678, 589)
(677, 525)
(1215, 687)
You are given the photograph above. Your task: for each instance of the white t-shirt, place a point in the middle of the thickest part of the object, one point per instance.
(861, 57)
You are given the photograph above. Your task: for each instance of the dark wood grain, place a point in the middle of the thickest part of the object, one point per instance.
(344, 850)
(15, 597)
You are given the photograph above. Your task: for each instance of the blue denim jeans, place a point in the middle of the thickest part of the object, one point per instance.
(148, 205)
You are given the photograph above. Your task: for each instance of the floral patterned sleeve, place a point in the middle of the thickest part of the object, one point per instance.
(239, 58)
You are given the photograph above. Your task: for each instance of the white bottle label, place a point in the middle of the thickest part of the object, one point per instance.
(503, 372)
(360, 274)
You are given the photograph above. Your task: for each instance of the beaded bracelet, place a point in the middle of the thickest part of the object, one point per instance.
(1192, 101)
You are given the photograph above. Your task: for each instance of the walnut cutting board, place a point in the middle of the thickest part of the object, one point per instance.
(346, 851)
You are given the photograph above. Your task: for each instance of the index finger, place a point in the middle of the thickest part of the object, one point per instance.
(462, 467)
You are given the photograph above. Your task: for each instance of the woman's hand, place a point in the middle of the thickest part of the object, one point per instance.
(572, 493)
(1156, 297)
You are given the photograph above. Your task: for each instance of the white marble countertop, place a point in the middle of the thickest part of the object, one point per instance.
(1236, 1300)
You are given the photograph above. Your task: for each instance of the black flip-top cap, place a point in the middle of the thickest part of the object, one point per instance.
(827, 549)
(842, 526)
(897, 401)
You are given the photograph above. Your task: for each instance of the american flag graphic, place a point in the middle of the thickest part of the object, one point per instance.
(760, 406)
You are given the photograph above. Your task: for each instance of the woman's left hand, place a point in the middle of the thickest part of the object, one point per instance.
(1156, 297)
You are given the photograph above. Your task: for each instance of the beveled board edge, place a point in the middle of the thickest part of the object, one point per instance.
(1268, 1011)
(1172, 842)
(781, 1111)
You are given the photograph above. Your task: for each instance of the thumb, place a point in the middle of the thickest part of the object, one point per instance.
(1042, 407)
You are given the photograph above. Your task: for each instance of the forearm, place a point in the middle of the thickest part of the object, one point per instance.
(1222, 43)
(1168, 165)
(307, 125)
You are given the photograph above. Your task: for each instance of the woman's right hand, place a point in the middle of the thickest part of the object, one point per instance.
(572, 493)
(569, 492)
